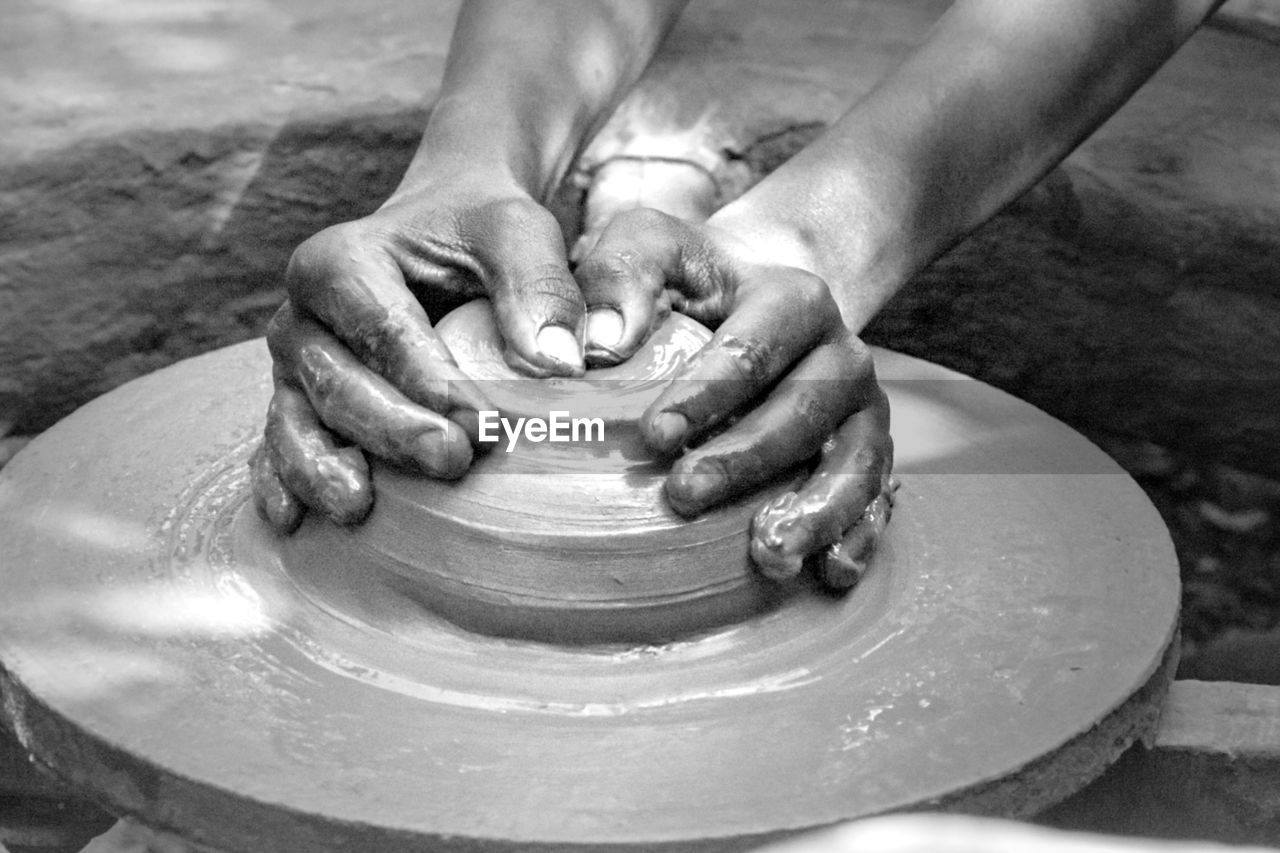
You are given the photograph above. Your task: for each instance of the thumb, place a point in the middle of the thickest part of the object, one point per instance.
(537, 304)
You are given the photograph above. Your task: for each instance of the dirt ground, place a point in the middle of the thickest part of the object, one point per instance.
(1225, 525)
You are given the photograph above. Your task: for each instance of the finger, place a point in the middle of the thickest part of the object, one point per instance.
(309, 463)
(583, 245)
(777, 317)
(854, 468)
(787, 428)
(353, 286)
(364, 408)
(275, 503)
(536, 302)
(845, 562)
(643, 261)
(623, 281)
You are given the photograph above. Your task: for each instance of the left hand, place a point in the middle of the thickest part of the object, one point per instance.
(782, 350)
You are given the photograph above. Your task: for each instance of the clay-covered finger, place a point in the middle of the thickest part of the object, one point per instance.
(623, 281)
(520, 253)
(275, 503)
(844, 563)
(364, 408)
(774, 323)
(851, 474)
(354, 286)
(788, 427)
(310, 464)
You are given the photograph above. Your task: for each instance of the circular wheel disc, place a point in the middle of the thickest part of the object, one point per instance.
(1012, 636)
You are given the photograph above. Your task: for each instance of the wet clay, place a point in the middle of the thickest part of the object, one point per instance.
(1009, 640)
(563, 542)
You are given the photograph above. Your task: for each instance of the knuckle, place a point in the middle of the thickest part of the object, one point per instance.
(813, 296)
(748, 360)
(280, 330)
(318, 256)
(661, 311)
(275, 415)
(643, 219)
(326, 382)
(818, 418)
(261, 466)
(856, 350)
(622, 274)
(607, 268)
(280, 321)
(325, 386)
(880, 402)
(374, 338)
(288, 414)
(517, 215)
(866, 461)
(547, 291)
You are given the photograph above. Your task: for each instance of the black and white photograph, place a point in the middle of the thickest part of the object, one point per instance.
(639, 426)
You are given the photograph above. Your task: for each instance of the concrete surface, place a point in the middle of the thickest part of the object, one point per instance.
(163, 158)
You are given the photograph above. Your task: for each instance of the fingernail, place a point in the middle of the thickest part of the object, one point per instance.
(343, 487)
(282, 511)
(559, 344)
(773, 564)
(668, 431)
(469, 421)
(690, 491)
(779, 538)
(839, 571)
(604, 328)
(440, 457)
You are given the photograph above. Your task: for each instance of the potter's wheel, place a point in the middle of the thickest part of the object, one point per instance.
(159, 648)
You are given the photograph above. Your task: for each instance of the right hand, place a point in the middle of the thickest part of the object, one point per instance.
(783, 359)
(357, 365)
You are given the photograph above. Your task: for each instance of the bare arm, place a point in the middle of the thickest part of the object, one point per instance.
(528, 82)
(358, 367)
(998, 94)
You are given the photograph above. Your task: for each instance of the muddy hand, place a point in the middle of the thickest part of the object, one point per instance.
(782, 354)
(357, 365)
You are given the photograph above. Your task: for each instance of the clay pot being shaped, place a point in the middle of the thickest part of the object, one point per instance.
(560, 533)
(541, 656)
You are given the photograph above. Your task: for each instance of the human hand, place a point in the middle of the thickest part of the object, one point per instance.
(357, 365)
(780, 349)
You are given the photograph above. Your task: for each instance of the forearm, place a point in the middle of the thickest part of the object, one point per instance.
(528, 82)
(999, 93)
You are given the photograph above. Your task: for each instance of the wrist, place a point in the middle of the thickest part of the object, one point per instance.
(444, 180)
(470, 141)
(841, 237)
(766, 235)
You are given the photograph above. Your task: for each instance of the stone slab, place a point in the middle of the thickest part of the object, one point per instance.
(1014, 635)
(1212, 773)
